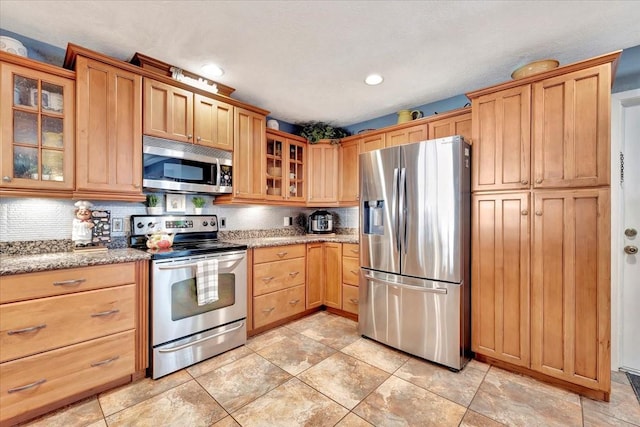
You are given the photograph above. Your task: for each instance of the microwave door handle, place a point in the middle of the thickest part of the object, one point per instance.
(218, 173)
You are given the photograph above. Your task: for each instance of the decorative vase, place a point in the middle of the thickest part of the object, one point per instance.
(404, 116)
(154, 210)
(198, 211)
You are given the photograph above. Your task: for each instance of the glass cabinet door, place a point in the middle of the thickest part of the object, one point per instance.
(275, 156)
(38, 138)
(296, 170)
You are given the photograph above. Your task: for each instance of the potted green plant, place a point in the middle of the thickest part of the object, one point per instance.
(198, 204)
(314, 131)
(152, 203)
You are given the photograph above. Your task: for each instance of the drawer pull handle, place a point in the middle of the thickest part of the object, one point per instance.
(281, 254)
(104, 362)
(26, 330)
(105, 313)
(295, 301)
(354, 272)
(27, 387)
(353, 300)
(294, 273)
(268, 310)
(69, 282)
(267, 279)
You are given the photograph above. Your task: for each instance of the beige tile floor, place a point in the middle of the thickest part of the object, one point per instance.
(318, 371)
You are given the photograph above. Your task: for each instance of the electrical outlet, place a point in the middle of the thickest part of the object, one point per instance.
(288, 220)
(222, 222)
(117, 225)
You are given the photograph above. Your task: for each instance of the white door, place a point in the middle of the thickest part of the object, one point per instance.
(626, 228)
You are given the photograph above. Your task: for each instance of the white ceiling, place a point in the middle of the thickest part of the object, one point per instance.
(306, 60)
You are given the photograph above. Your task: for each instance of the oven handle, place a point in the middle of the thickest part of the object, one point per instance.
(177, 267)
(183, 346)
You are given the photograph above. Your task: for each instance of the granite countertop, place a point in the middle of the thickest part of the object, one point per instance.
(263, 242)
(55, 261)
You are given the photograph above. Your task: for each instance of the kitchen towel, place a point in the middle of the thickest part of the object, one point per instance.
(207, 281)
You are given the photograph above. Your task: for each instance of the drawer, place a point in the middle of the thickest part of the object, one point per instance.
(274, 276)
(64, 372)
(277, 253)
(350, 298)
(351, 271)
(26, 286)
(351, 250)
(62, 320)
(277, 305)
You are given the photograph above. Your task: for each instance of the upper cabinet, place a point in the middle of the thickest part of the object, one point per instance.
(285, 159)
(174, 113)
(372, 142)
(248, 154)
(37, 137)
(406, 135)
(457, 122)
(571, 129)
(348, 170)
(323, 173)
(109, 137)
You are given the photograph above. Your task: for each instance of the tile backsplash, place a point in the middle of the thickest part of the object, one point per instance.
(26, 219)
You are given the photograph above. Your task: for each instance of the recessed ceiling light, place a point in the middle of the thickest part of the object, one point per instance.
(212, 70)
(373, 79)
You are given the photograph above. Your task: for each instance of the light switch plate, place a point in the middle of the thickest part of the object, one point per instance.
(117, 225)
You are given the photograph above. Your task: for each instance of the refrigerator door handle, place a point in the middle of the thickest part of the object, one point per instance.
(402, 209)
(413, 288)
(396, 224)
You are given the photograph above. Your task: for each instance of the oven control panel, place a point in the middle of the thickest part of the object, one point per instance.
(174, 224)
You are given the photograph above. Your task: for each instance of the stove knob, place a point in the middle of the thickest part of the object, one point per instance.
(213, 222)
(139, 225)
(205, 223)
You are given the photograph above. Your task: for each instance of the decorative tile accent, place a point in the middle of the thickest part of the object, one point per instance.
(187, 404)
(398, 402)
(344, 379)
(242, 381)
(292, 404)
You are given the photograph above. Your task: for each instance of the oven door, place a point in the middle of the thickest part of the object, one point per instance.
(175, 311)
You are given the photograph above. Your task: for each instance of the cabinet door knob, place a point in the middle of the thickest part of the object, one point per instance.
(6, 178)
(539, 213)
(524, 182)
(198, 139)
(525, 212)
(189, 136)
(136, 185)
(539, 181)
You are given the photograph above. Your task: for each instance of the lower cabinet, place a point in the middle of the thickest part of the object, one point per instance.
(350, 277)
(332, 262)
(315, 275)
(279, 275)
(70, 333)
(541, 298)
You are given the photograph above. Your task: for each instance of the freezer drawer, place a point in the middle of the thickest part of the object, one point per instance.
(418, 316)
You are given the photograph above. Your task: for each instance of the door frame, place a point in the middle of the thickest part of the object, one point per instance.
(617, 227)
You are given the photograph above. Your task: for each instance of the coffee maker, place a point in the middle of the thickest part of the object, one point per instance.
(320, 222)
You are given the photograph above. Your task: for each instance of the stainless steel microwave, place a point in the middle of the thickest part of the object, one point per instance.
(186, 168)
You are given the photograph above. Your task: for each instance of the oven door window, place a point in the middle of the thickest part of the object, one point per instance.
(184, 300)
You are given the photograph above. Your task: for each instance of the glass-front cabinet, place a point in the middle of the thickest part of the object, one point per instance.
(37, 134)
(285, 167)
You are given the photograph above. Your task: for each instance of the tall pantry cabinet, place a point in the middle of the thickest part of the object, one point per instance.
(541, 226)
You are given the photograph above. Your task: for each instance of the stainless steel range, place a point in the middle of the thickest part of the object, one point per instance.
(183, 332)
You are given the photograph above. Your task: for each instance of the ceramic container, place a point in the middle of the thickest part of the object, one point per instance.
(534, 68)
(7, 44)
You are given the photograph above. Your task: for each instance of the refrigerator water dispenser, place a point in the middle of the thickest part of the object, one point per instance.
(373, 217)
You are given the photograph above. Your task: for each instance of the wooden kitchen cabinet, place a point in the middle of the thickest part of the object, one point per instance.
(457, 122)
(406, 135)
(248, 154)
(570, 290)
(333, 275)
(168, 111)
(370, 142)
(37, 119)
(501, 140)
(323, 174)
(181, 115)
(571, 116)
(52, 356)
(109, 137)
(315, 275)
(500, 276)
(279, 275)
(286, 167)
(350, 277)
(566, 110)
(348, 173)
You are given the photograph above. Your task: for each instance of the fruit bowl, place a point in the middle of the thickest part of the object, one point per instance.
(534, 68)
(160, 240)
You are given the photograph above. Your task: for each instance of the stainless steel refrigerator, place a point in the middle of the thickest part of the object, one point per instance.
(415, 249)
